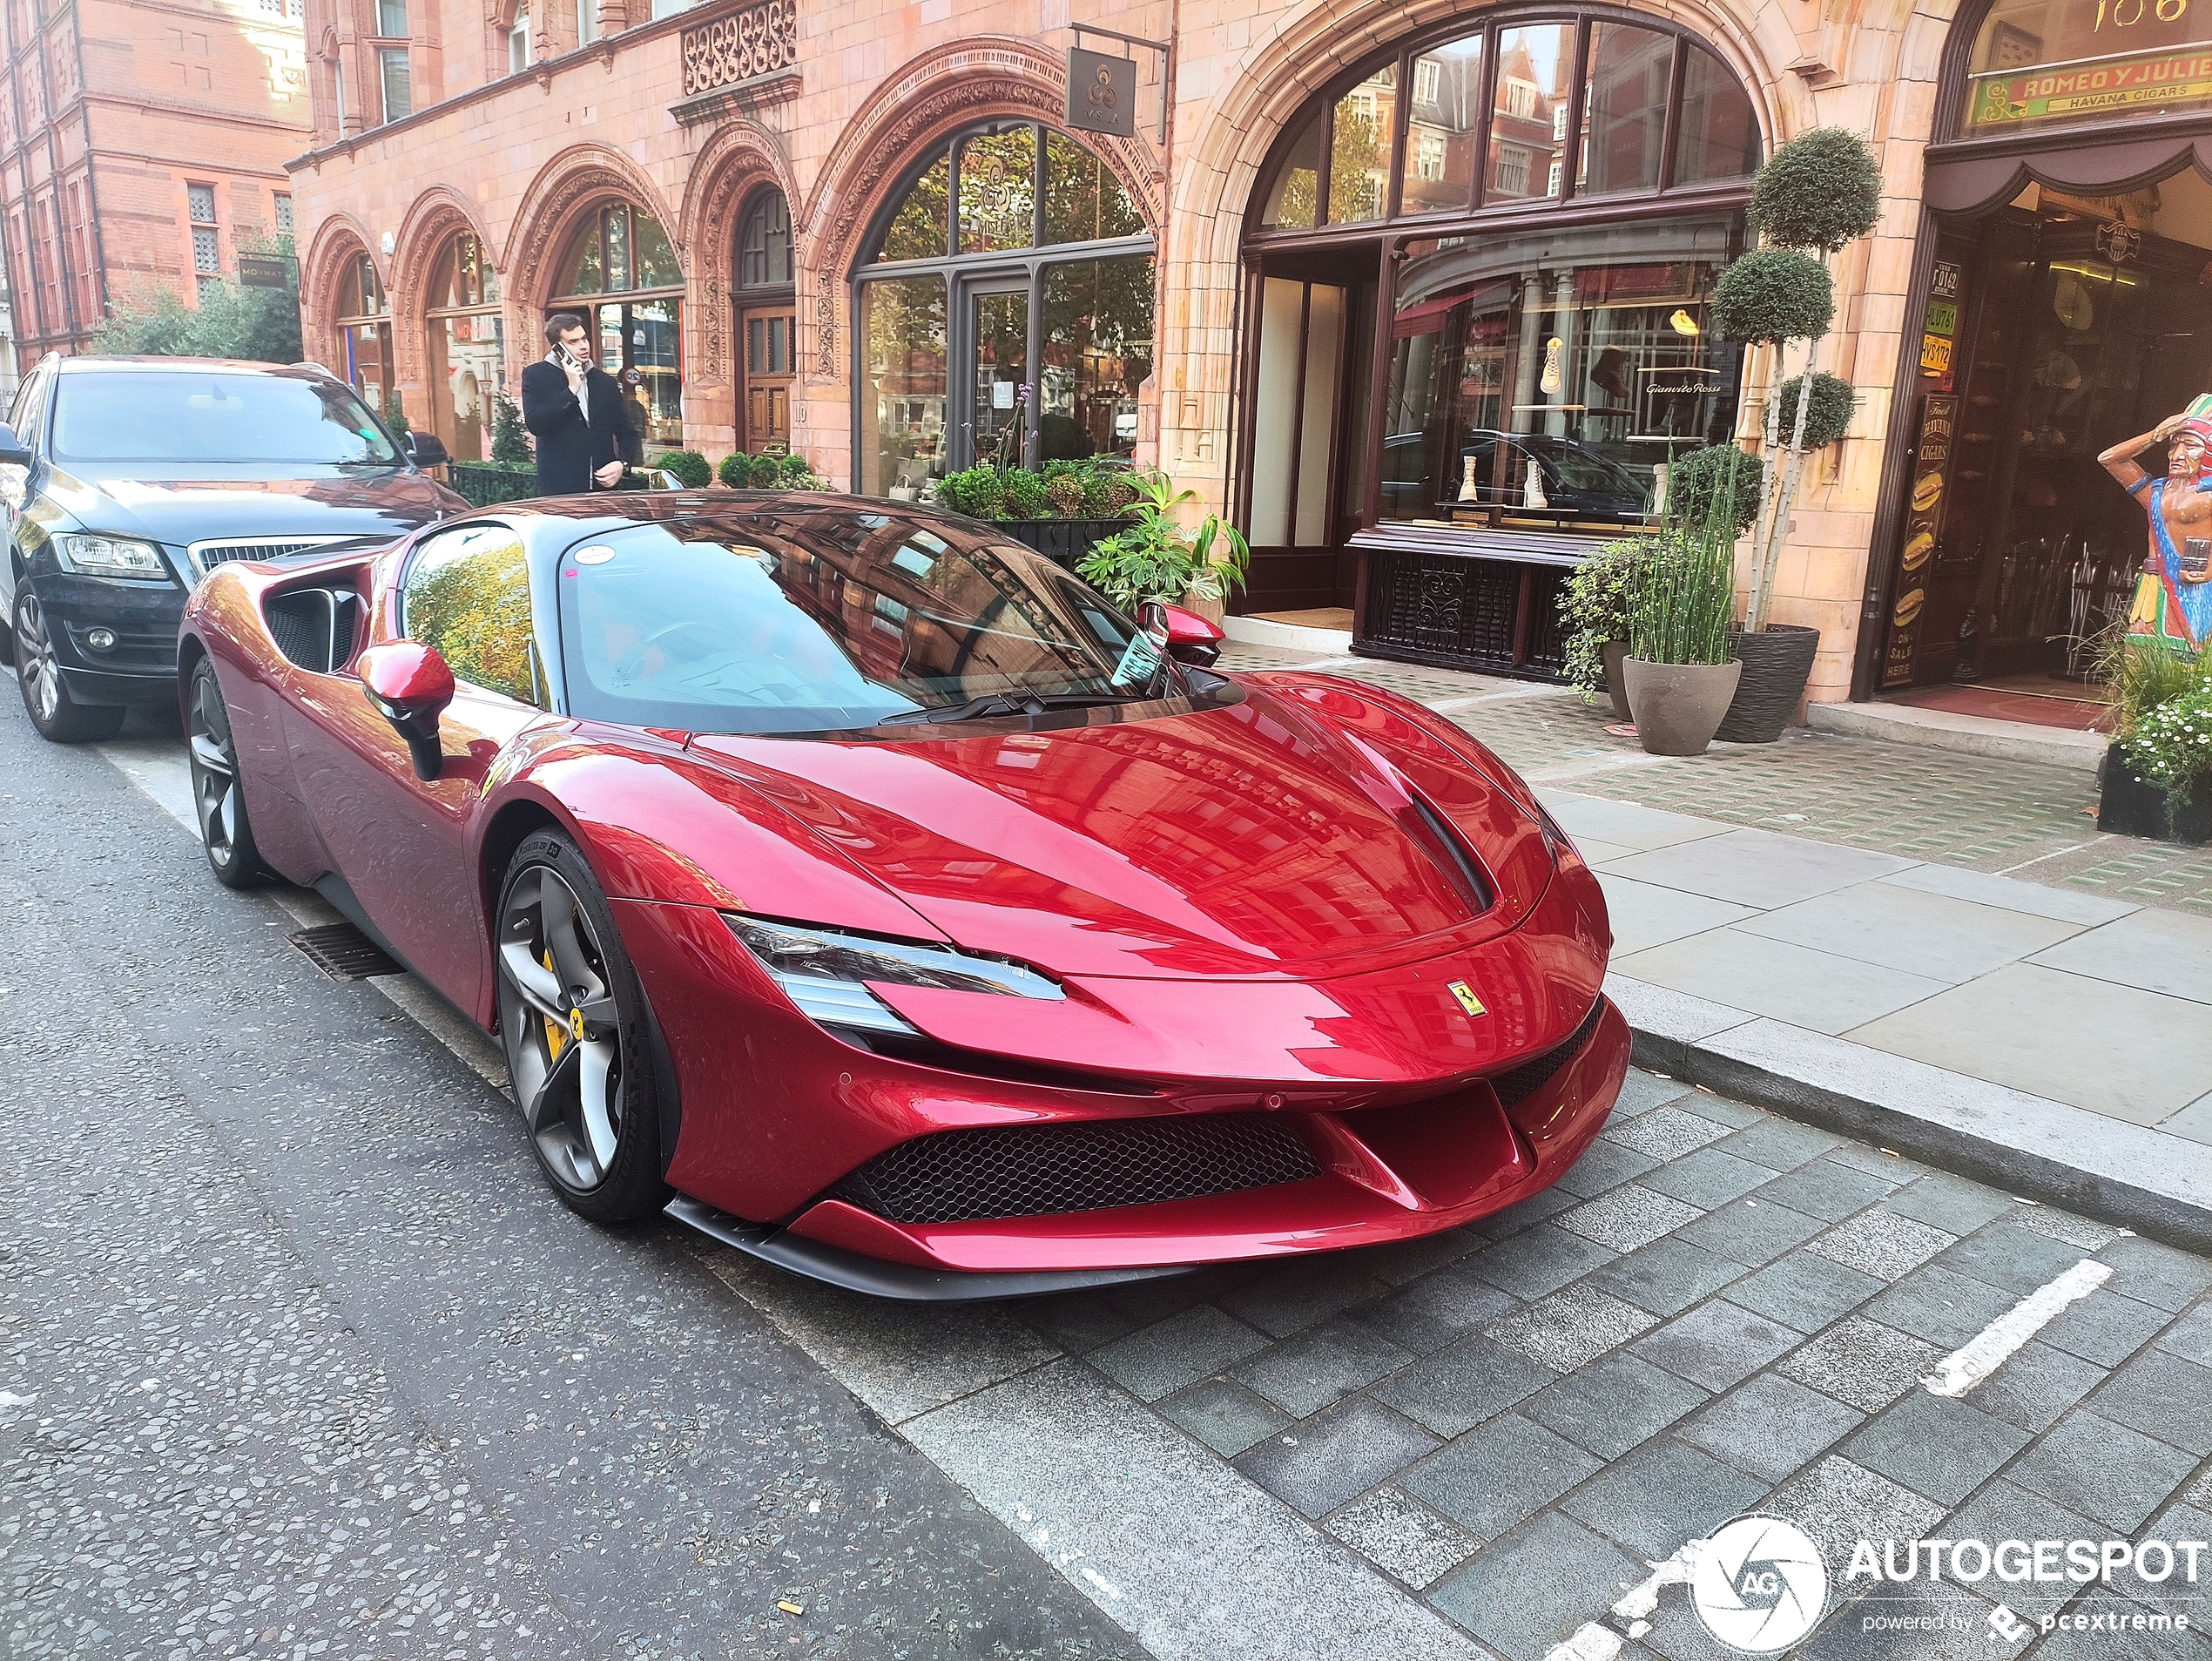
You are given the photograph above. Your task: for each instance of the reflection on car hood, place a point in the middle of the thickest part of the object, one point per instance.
(1258, 840)
(201, 503)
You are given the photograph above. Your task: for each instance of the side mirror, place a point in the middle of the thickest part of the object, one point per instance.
(12, 451)
(427, 449)
(410, 685)
(1189, 637)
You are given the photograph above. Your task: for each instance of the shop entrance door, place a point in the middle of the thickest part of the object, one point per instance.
(766, 334)
(998, 326)
(2073, 328)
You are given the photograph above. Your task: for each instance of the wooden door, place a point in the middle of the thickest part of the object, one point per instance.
(767, 336)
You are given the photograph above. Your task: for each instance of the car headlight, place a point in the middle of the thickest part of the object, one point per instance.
(95, 555)
(823, 972)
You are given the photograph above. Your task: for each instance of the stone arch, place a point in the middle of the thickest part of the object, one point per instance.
(431, 219)
(572, 182)
(741, 156)
(339, 240)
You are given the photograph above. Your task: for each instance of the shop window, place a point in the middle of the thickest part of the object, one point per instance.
(463, 330)
(1624, 108)
(1441, 127)
(1293, 203)
(1044, 293)
(2046, 62)
(1360, 135)
(364, 343)
(1716, 134)
(620, 274)
(1529, 118)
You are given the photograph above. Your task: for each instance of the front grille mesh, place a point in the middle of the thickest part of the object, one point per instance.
(1524, 1081)
(1036, 1170)
(212, 554)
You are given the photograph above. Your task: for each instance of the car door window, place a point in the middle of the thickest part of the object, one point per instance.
(22, 417)
(467, 596)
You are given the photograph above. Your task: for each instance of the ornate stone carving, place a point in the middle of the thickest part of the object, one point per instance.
(741, 46)
(825, 325)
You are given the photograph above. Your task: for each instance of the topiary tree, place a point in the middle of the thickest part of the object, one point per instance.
(1814, 194)
(763, 472)
(1694, 480)
(510, 439)
(688, 466)
(736, 470)
(1827, 417)
(795, 474)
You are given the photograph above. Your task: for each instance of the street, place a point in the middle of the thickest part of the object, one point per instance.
(301, 1358)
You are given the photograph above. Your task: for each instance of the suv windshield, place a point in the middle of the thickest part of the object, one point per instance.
(219, 415)
(832, 620)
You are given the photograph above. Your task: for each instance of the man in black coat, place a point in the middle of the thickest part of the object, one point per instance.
(578, 414)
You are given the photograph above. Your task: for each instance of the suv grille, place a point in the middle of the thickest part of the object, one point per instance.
(1036, 1170)
(205, 555)
(1524, 1081)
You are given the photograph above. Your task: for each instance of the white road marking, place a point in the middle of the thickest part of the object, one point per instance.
(1594, 1641)
(1591, 1642)
(1990, 1349)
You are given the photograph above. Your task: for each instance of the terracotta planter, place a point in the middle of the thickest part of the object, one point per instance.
(1615, 653)
(1776, 664)
(1678, 707)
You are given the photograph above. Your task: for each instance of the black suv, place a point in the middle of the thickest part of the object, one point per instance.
(127, 479)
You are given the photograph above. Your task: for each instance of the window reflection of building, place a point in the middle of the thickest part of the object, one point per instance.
(365, 333)
(467, 361)
(620, 274)
(1014, 253)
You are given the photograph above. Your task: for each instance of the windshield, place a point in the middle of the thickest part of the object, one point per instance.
(830, 619)
(184, 415)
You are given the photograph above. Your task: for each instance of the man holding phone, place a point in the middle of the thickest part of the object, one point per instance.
(578, 412)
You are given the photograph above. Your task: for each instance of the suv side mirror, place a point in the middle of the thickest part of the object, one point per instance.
(427, 449)
(410, 685)
(12, 450)
(1190, 639)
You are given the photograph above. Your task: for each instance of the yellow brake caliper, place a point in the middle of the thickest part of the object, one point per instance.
(556, 1034)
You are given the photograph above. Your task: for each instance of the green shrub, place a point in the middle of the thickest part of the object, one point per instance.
(976, 491)
(1681, 600)
(1108, 493)
(1827, 416)
(2172, 744)
(1594, 605)
(1820, 190)
(1773, 294)
(794, 473)
(1156, 558)
(688, 467)
(510, 439)
(763, 471)
(736, 470)
(1022, 495)
(1696, 483)
(2139, 674)
(1064, 494)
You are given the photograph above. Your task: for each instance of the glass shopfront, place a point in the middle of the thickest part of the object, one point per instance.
(468, 363)
(620, 275)
(1012, 249)
(2056, 321)
(1479, 274)
(365, 333)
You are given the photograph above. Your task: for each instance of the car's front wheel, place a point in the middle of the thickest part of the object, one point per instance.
(572, 1020)
(56, 714)
(224, 831)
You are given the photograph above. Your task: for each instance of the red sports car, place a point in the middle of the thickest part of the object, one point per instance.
(871, 894)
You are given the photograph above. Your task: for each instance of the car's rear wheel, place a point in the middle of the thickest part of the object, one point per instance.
(56, 714)
(224, 831)
(572, 1020)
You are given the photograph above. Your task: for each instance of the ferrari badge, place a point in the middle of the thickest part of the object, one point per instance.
(1468, 1002)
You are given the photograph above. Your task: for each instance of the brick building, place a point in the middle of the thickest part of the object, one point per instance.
(141, 142)
(1416, 290)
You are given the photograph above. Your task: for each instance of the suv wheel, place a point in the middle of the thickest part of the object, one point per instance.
(56, 715)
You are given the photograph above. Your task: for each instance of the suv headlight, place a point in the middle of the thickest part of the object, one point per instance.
(822, 971)
(95, 555)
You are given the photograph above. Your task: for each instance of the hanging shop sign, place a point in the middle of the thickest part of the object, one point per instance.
(1102, 92)
(2118, 243)
(1930, 465)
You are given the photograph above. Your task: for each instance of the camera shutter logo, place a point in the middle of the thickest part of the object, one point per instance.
(1759, 1585)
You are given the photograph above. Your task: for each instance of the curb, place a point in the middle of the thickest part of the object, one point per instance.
(2128, 1175)
(1930, 729)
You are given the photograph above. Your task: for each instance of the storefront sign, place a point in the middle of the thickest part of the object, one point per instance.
(2118, 243)
(1931, 456)
(267, 271)
(1945, 284)
(2151, 82)
(1102, 92)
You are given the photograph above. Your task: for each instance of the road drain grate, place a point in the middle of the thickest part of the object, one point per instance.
(342, 952)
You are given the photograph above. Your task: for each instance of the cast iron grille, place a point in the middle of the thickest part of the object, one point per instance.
(1036, 1170)
(1524, 1081)
(1444, 605)
(342, 952)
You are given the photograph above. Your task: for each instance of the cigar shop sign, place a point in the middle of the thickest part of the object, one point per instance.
(2090, 60)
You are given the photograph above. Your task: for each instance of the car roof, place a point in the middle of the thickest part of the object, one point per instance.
(93, 362)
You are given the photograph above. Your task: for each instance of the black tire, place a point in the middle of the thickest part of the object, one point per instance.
(579, 1046)
(219, 803)
(59, 717)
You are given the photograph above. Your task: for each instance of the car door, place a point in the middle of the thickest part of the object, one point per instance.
(398, 843)
(16, 483)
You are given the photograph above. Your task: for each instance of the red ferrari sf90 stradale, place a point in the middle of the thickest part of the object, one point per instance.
(872, 894)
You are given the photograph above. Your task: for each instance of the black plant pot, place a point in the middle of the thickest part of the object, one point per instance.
(1776, 666)
(1064, 542)
(2130, 805)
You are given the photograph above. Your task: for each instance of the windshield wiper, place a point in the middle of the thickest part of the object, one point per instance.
(992, 704)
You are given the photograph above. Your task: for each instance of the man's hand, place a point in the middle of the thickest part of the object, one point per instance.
(608, 477)
(574, 371)
(2167, 428)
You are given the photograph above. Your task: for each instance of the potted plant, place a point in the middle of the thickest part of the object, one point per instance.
(1156, 557)
(1594, 605)
(1816, 193)
(2156, 777)
(1062, 510)
(1680, 670)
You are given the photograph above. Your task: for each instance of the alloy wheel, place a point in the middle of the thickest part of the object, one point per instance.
(42, 683)
(214, 771)
(561, 1027)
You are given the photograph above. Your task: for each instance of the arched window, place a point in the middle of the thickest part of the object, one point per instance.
(767, 331)
(365, 333)
(620, 274)
(1013, 248)
(468, 361)
(518, 42)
